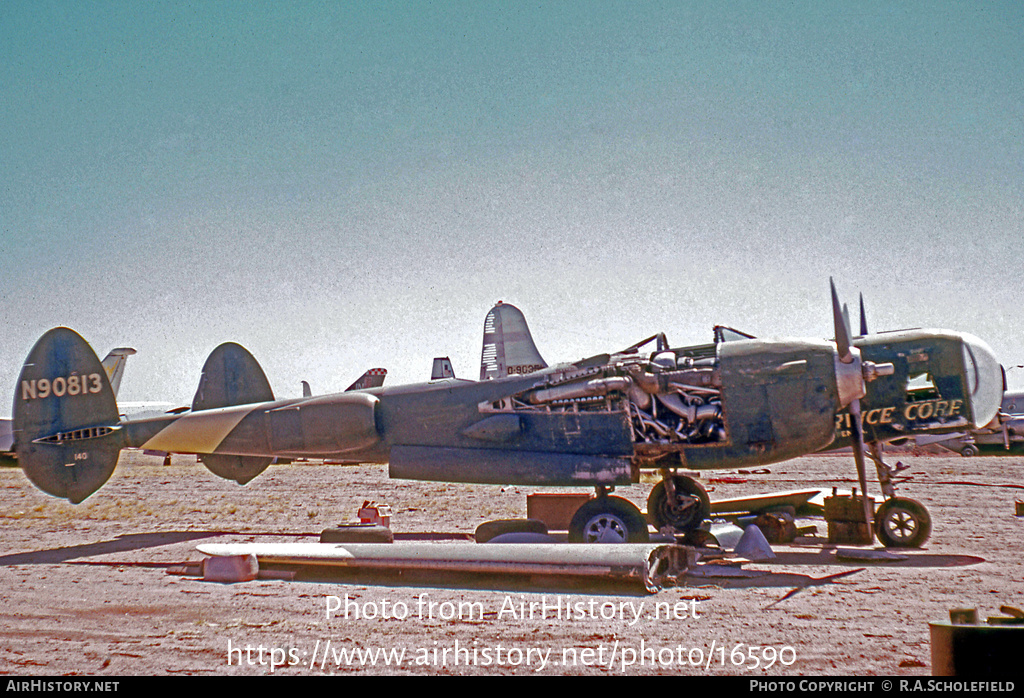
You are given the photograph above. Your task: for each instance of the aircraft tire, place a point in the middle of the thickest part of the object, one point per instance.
(902, 523)
(489, 530)
(692, 505)
(608, 520)
(969, 450)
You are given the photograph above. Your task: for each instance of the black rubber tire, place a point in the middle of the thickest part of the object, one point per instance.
(969, 450)
(491, 529)
(902, 523)
(608, 520)
(692, 505)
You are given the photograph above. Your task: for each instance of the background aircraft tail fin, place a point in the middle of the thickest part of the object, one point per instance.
(374, 378)
(508, 345)
(114, 364)
(442, 368)
(66, 425)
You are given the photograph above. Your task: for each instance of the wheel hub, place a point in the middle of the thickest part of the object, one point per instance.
(683, 503)
(679, 502)
(901, 524)
(605, 529)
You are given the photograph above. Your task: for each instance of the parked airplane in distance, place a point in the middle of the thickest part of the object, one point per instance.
(1004, 435)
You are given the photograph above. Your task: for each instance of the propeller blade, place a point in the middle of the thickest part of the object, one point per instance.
(842, 333)
(858, 457)
(863, 318)
(844, 347)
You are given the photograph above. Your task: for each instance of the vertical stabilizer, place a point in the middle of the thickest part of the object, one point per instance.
(114, 364)
(231, 376)
(373, 378)
(508, 346)
(66, 427)
(442, 368)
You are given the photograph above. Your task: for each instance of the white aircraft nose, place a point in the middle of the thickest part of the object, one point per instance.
(984, 379)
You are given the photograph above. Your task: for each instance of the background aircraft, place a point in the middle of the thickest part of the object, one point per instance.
(373, 378)
(595, 422)
(1002, 436)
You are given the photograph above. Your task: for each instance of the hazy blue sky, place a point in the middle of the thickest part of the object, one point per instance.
(345, 185)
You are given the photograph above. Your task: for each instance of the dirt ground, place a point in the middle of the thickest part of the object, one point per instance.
(86, 588)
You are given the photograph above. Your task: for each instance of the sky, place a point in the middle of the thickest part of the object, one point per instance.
(344, 185)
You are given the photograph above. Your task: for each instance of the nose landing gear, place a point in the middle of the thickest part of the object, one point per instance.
(902, 523)
(899, 522)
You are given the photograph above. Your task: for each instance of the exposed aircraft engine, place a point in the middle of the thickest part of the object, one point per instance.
(697, 407)
(669, 400)
(676, 406)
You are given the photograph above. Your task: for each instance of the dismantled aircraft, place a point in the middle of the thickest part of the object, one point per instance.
(597, 422)
(915, 379)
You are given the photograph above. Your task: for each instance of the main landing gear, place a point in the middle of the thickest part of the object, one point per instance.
(678, 502)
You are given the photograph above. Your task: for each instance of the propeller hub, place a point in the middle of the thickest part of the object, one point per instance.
(850, 380)
(871, 370)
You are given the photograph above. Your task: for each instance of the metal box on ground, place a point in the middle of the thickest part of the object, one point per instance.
(554, 509)
(978, 650)
(845, 517)
(357, 533)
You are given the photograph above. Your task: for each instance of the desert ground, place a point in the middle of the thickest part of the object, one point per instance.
(87, 589)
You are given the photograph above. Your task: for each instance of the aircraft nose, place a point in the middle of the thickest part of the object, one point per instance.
(984, 379)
